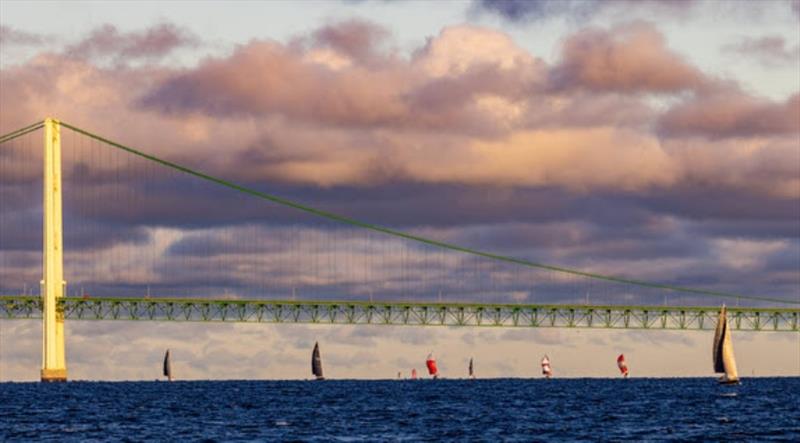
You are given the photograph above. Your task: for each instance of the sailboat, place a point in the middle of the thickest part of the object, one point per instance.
(546, 370)
(167, 366)
(623, 367)
(414, 374)
(316, 363)
(724, 362)
(471, 369)
(430, 362)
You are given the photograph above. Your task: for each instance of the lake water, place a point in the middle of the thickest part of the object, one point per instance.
(423, 410)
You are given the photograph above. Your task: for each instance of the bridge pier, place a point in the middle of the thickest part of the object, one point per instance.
(54, 367)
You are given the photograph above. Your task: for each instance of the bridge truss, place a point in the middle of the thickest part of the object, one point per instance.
(407, 314)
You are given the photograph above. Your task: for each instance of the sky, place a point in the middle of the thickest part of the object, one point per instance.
(656, 139)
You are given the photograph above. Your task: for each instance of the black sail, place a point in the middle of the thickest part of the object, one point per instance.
(167, 365)
(316, 362)
(719, 339)
(471, 373)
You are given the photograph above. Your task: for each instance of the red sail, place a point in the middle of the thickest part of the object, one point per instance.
(413, 374)
(431, 364)
(623, 368)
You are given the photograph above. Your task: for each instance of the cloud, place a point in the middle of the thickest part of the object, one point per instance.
(358, 40)
(631, 58)
(468, 139)
(150, 44)
(732, 114)
(10, 36)
(524, 11)
(769, 50)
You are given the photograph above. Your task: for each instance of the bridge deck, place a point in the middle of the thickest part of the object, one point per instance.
(402, 313)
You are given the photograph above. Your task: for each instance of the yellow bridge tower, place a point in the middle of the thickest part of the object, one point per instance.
(54, 366)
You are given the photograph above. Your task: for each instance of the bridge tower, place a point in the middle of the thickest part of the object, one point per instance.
(54, 367)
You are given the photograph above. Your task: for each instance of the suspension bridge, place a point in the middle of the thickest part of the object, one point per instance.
(121, 234)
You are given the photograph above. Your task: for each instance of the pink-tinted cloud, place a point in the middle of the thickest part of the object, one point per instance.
(11, 36)
(356, 39)
(153, 43)
(627, 59)
(769, 50)
(732, 114)
(269, 78)
(468, 107)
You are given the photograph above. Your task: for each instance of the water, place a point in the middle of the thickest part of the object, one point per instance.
(501, 409)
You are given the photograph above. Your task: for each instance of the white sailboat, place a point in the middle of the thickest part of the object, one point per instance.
(724, 362)
(547, 371)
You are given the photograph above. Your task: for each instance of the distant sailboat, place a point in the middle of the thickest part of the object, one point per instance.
(413, 374)
(724, 362)
(167, 366)
(316, 363)
(433, 371)
(623, 367)
(471, 369)
(546, 370)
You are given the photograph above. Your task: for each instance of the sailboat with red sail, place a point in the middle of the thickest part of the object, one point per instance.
(430, 362)
(414, 374)
(623, 367)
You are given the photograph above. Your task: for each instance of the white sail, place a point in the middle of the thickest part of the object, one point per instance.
(546, 370)
(724, 361)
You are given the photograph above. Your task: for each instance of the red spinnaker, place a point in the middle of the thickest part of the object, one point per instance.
(431, 364)
(623, 367)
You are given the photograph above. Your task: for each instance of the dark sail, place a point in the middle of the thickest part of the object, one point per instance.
(316, 363)
(471, 373)
(167, 366)
(719, 338)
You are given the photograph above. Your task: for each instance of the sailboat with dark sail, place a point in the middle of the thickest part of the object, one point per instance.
(167, 366)
(471, 370)
(724, 362)
(316, 363)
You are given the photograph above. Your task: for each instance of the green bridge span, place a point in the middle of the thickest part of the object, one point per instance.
(402, 313)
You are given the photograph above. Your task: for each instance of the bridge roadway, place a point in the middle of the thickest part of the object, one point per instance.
(401, 313)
